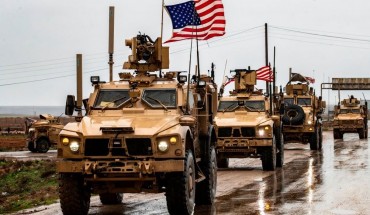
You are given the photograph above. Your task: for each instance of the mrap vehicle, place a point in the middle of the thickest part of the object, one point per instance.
(245, 126)
(147, 132)
(301, 113)
(350, 116)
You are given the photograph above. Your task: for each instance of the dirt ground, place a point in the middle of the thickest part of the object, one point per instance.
(16, 143)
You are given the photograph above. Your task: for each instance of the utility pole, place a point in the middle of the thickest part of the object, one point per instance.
(266, 54)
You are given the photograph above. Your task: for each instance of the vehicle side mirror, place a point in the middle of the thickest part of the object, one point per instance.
(70, 105)
(199, 100)
(282, 109)
(85, 102)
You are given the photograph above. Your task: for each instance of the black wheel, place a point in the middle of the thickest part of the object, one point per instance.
(279, 148)
(222, 162)
(74, 195)
(320, 138)
(180, 190)
(42, 145)
(361, 133)
(206, 189)
(366, 132)
(31, 147)
(337, 134)
(315, 139)
(293, 115)
(111, 198)
(269, 157)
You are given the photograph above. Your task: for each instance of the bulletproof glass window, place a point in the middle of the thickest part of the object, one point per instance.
(157, 98)
(227, 106)
(255, 106)
(304, 101)
(111, 99)
(288, 101)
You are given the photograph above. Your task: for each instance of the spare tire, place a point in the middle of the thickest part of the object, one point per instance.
(293, 115)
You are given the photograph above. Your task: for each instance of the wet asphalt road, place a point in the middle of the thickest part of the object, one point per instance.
(333, 181)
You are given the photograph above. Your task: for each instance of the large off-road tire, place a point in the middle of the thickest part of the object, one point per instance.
(361, 133)
(315, 139)
(293, 115)
(111, 198)
(269, 157)
(279, 148)
(42, 145)
(180, 190)
(74, 195)
(222, 162)
(206, 189)
(31, 146)
(320, 138)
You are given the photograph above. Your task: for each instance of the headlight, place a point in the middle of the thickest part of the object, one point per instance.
(309, 122)
(65, 141)
(162, 146)
(264, 130)
(74, 146)
(173, 140)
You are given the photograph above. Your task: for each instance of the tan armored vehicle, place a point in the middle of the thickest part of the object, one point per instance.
(43, 133)
(350, 117)
(143, 133)
(301, 113)
(245, 127)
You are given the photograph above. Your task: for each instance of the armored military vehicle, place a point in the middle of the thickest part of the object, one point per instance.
(245, 126)
(350, 117)
(147, 132)
(42, 133)
(301, 113)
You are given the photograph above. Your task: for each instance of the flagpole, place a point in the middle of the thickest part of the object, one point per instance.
(188, 87)
(160, 70)
(266, 54)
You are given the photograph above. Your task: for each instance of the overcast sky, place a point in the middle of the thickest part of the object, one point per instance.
(40, 38)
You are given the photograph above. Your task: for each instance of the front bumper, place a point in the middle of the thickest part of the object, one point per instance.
(120, 169)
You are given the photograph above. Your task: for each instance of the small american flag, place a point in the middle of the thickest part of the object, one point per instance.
(200, 19)
(265, 74)
(311, 80)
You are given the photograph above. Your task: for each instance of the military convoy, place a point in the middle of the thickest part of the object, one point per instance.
(143, 133)
(245, 126)
(42, 133)
(301, 113)
(350, 116)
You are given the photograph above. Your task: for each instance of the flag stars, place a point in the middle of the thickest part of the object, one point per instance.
(183, 14)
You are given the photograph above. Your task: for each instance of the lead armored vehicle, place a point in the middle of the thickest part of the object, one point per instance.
(245, 127)
(301, 113)
(350, 117)
(147, 132)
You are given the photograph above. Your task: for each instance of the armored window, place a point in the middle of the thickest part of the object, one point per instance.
(160, 98)
(288, 101)
(227, 106)
(255, 106)
(111, 99)
(304, 101)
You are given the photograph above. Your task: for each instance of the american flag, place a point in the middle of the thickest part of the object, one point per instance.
(265, 74)
(309, 79)
(201, 19)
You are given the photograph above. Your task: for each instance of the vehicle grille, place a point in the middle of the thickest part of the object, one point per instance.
(348, 122)
(139, 146)
(248, 132)
(236, 132)
(224, 132)
(96, 147)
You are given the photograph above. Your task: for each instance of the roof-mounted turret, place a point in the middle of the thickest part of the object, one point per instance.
(350, 102)
(245, 80)
(147, 55)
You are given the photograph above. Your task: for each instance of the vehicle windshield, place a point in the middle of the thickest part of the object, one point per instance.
(255, 105)
(343, 111)
(160, 98)
(111, 99)
(288, 101)
(229, 106)
(304, 101)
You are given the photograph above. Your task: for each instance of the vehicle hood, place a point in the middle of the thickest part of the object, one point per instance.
(240, 119)
(142, 125)
(348, 116)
